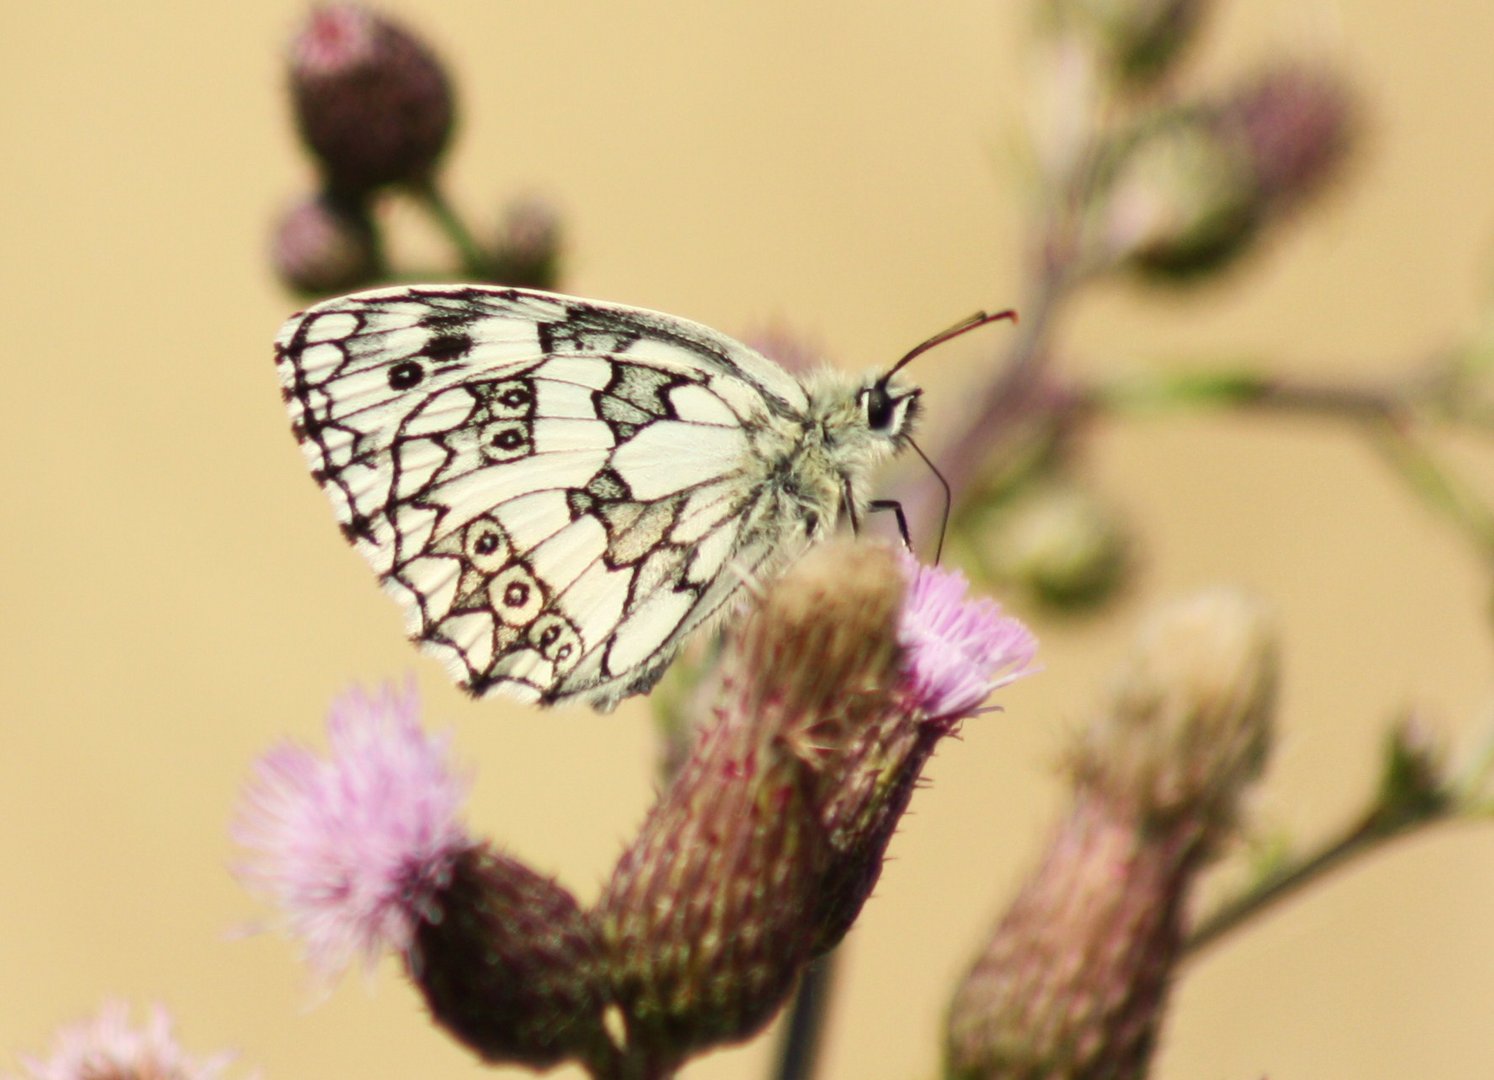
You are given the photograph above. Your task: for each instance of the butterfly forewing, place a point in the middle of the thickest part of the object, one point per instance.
(556, 491)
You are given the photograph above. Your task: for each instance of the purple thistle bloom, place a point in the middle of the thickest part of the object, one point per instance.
(108, 1048)
(957, 650)
(352, 847)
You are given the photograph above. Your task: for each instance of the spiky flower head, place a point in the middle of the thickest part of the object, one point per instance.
(352, 847)
(957, 650)
(109, 1047)
(954, 652)
(762, 851)
(373, 103)
(1073, 980)
(363, 851)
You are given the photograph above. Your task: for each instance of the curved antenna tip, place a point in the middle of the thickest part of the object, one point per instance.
(964, 326)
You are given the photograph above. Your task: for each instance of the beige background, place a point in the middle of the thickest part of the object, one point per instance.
(176, 597)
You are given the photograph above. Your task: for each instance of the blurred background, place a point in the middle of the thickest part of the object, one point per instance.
(177, 597)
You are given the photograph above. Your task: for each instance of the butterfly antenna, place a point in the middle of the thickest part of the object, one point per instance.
(964, 326)
(948, 498)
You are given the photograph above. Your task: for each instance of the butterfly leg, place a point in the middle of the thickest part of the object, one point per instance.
(848, 500)
(897, 512)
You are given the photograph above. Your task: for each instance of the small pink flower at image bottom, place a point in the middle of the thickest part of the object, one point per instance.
(351, 847)
(107, 1047)
(957, 650)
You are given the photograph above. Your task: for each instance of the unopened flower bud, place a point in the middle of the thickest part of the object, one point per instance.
(373, 103)
(322, 247)
(1296, 123)
(1413, 775)
(528, 249)
(1139, 40)
(1182, 201)
(1060, 544)
(1073, 981)
(1188, 726)
(509, 964)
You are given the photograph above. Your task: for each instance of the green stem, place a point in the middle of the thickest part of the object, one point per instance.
(1436, 485)
(1382, 822)
(1385, 414)
(474, 261)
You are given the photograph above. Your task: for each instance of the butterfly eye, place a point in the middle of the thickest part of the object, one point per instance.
(881, 410)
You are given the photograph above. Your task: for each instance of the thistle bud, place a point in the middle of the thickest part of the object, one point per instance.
(1296, 124)
(364, 853)
(1060, 544)
(323, 247)
(528, 249)
(762, 851)
(1182, 202)
(955, 652)
(1074, 979)
(509, 964)
(711, 914)
(1139, 40)
(1189, 722)
(372, 102)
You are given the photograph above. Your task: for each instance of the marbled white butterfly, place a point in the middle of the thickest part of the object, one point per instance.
(559, 491)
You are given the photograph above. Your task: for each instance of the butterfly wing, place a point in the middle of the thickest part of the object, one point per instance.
(554, 490)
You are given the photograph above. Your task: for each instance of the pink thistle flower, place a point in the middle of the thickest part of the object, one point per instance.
(957, 650)
(107, 1047)
(353, 847)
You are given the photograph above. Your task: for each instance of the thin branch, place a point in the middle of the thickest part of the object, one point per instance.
(474, 262)
(1365, 835)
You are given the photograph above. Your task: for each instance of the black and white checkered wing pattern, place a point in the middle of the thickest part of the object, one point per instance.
(554, 490)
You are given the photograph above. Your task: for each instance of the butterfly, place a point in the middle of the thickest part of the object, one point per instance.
(558, 492)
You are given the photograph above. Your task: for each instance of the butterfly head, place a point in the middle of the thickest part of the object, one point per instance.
(889, 408)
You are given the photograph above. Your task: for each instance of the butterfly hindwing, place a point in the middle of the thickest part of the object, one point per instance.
(554, 490)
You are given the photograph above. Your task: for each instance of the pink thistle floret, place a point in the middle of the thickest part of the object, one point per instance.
(107, 1047)
(352, 847)
(957, 650)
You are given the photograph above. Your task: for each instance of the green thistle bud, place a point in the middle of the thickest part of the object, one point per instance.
(372, 102)
(322, 246)
(1182, 201)
(509, 964)
(1058, 542)
(1073, 982)
(1139, 40)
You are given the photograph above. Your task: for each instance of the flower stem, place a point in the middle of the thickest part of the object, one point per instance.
(1382, 821)
(474, 262)
(1437, 486)
(799, 1043)
(1384, 413)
